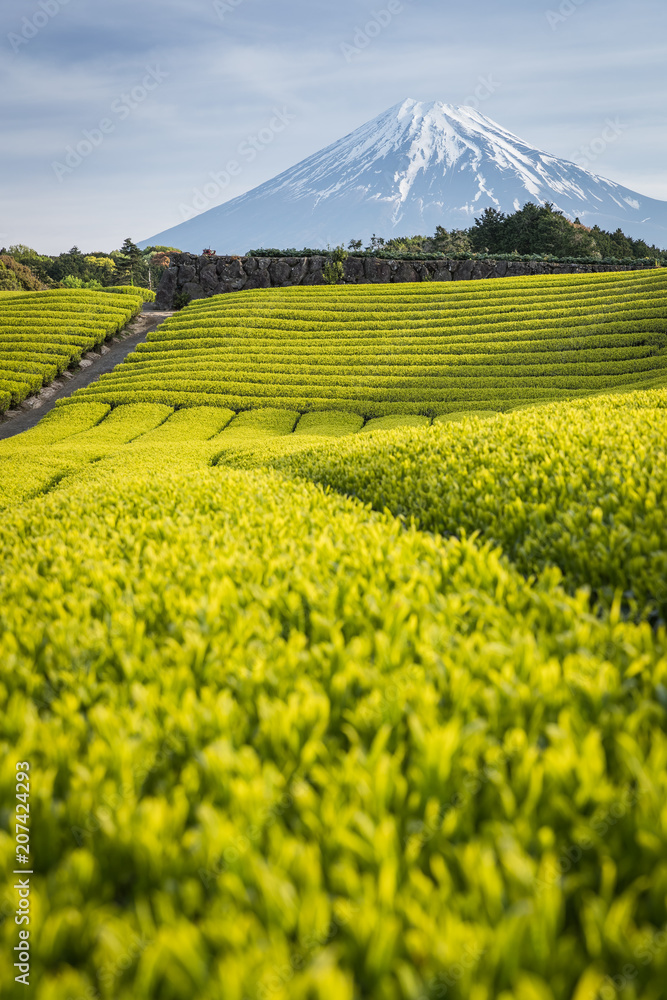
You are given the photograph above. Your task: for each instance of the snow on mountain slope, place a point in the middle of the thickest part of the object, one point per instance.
(412, 168)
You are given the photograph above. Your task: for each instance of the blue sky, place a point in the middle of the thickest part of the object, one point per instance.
(156, 94)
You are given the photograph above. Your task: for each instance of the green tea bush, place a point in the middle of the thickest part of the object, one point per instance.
(581, 487)
(330, 423)
(281, 745)
(267, 421)
(75, 436)
(144, 293)
(396, 350)
(463, 415)
(390, 423)
(42, 333)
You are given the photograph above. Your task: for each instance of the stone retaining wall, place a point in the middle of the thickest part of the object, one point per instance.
(200, 277)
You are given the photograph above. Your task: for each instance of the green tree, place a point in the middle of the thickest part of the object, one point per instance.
(8, 280)
(533, 229)
(334, 270)
(376, 243)
(39, 264)
(130, 262)
(16, 275)
(405, 244)
(102, 268)
(159, 249)
(71, 282)
(488, 233)
(71, 263)
(455, 242)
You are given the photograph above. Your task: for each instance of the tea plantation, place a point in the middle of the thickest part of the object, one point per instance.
(325, 698)
(427, 348)
(43, 333)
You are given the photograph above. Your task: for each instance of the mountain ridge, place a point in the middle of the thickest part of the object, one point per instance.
(413, 167)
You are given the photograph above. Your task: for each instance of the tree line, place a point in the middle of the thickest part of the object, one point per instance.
(533, 229)
(98, 269)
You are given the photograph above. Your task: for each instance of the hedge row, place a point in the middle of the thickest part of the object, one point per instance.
(405, 348)
(356, 352)
(42, 333)
(642, 262)
(71, 438)
(144, 293)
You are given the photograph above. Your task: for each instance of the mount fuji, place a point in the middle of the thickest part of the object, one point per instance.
(414, 167)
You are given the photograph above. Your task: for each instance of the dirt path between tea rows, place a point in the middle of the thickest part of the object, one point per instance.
(97, 362)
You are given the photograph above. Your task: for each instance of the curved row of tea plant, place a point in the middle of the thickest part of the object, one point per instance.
(145, 294)
(417, 349)
(76, 440)
(582, 486)
(42, 333)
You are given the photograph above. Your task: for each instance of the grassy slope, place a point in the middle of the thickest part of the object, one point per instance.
(287, 746)
(419, 348)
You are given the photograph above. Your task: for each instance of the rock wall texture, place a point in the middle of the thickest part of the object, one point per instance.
(200, 277)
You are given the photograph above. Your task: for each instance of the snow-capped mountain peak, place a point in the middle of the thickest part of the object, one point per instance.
(417, 165)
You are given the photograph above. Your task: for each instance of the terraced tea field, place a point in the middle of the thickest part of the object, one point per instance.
(333, 701)
(43, 333)
(428, 348)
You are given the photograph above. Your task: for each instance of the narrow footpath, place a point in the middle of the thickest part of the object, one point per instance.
(100, 360)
